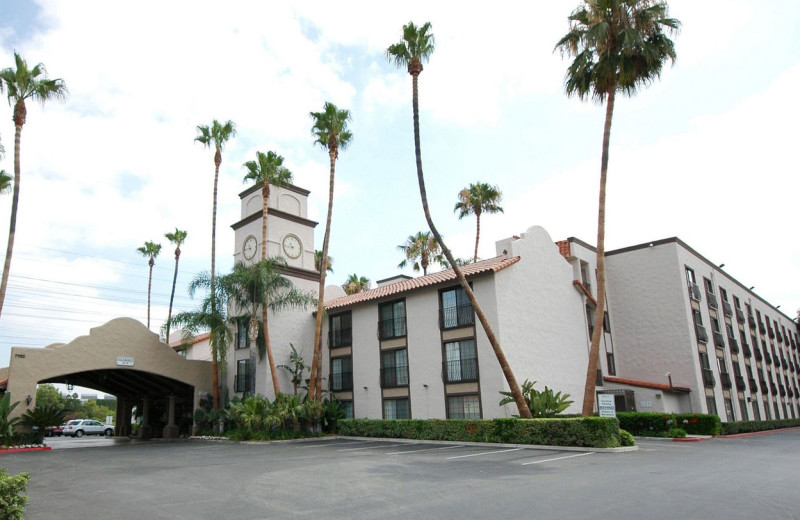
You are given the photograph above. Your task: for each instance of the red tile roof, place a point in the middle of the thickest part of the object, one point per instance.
(646, 384)
(563, 248)
(197, 339)
(492, 265)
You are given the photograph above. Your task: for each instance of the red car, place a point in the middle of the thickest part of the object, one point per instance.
(54, 431)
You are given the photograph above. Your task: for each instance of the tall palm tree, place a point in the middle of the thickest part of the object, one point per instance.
(20, 84)
(6, 182)
(477, 199)
(422, 249)
(265, 170)
(216, 135)
(416, 46)
(150, 250)
(318, 262)
(356, 284)
(332, 134)
(176, 238)
(618, 46)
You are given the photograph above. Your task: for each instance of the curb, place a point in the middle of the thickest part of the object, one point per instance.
(755, 434)
(22, 450)
(622, 449)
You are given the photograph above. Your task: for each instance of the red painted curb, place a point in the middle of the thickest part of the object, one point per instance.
(20, 450)
(754, 434)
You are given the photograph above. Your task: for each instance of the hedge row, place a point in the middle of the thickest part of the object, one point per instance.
(731, 428)
(648, 424)
(595, 432)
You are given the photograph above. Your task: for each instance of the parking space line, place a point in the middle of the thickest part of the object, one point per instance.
(426, 449)
(558, 458)
(483, 453)
(329, 444)
(373, 447)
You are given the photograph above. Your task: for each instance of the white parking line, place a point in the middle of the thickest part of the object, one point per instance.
(426, 449)
(373, 447)
(324, 444)
(558, 458)
(484, 453)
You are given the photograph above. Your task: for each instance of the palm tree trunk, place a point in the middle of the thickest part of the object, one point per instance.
(149, 287)
(276, 387)
(215, 361)
(316, 368)
(172, 295)
(516, 391)
(477, 235)
(13, 224)
(597, 332)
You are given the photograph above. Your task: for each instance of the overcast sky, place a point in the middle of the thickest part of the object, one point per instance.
(707, 153)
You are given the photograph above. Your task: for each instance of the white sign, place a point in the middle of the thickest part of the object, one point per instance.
(605, 405)
(124, 361)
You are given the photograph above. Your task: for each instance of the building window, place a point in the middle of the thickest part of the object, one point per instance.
(242, 380)
(340, 331)
(612, 367)
(464, 407)
(691, 280)
(461, 362)
(341, 374)
(347, 409)
(743, 408)
(708, 374)
(700, 331)
(711, 404)
(756, 411)
(456, 309)
(396, 409)
(242, 340)
(392, 320)
(712, 300)
(394, 368)
(729, 409)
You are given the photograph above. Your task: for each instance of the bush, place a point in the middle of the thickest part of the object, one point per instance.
(595, 432)
(677, 433)
(12, 501)
(626, 439)
(731, 428)
(699, 424)
(646, 424)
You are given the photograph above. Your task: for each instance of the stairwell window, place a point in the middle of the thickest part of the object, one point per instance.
(456, 309)
(392, 322)
(461, 362)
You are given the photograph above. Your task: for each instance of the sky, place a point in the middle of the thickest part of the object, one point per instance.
(706, 153)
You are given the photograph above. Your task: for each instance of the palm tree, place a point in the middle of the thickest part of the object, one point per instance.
(150, 250)
(23, 83)
(332, 134)
(618, 46)
(6, 182)
(417, 46)
(217, 135)
(212, 318)
(477, 199)
(356, 284)
(318, 262)
(421, 249)
(265, 170)
(176, 238)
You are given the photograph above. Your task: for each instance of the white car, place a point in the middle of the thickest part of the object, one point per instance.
(81, 427)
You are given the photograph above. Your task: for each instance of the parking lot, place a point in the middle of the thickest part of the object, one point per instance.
(350, 478)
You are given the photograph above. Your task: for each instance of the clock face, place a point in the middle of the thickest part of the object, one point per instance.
(250, 246)
(292, 246)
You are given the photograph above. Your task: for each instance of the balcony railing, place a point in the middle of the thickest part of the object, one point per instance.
(780, 337)
(770, 333)
(719, 341)
(460, 370)
(241, 383)
(725, 379)
(740, 385)
(392, 328)
(712, 301)
(694, 292)
(757, 352)
(702, 335)
(746, 348)
(455, 317)
(341, 381)
(767, 357)
(340, 337)
(761, 328)
(784, 364)
(783, 391)
(751, 322)
(727, 309)
(773, 388)
(740, 316)
(764, 387)
(753, 385)
(393, 377)
(734, 345)
(708, 377)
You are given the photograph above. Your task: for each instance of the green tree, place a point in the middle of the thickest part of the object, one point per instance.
(296, 367)
(7, 423)
(417, 46)
(12, 498)
(262, 285)
(541, 404)
(177, 238)
(149, 250)
(44, 415)
(477, 199)
(356, 284)
(617, 46)
(22, 83)
(266, 170)
(332, 134)
(318, 262)
(48, 395)
(92, 410)
(216, 135)
(421, 249)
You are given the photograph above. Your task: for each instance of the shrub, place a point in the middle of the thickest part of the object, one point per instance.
(596, 432)
(731, 428)
(541, 404)
(646, 424)
(12, 500)
(699, 424)
(626, 439)
(677, 433)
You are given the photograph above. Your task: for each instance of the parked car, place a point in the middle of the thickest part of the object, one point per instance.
(81, 427)
(54, 431)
